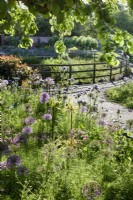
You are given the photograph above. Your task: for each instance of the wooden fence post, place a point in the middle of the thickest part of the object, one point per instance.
(110, 73)
(94, 73)
(127, 66)
(70, 73)
(121, 65)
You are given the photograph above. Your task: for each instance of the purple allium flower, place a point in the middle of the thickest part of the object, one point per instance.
(47, 116)
(44, 97)
(13, 161)
(3, 165)
(91, 190)
(49, 81)
(83, 109)
(22, 170)
(27, 130)
(29, 120)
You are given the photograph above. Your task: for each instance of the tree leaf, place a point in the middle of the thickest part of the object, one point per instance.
(3, 9)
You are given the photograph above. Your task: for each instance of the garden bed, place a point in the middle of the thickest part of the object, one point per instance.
(54, 148)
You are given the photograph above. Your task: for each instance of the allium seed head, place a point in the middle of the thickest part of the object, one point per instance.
(44, 97)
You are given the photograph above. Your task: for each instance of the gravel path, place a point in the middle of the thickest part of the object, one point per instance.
(114, 112)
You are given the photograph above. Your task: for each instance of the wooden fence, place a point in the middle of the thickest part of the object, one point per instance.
(92, 71)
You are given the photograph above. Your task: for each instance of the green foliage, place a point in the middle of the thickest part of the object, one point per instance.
(19, 21)
(60, 47)
(11, 66)
(122, 189)
(43, 26)
(87, 29)
(62, 15)
(12, 41)
(124, 21)
(123, 95)
(52, 40)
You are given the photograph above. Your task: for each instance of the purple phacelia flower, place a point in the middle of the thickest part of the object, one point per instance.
(29, 120)
(44, 97)
(15, 140)
(19, 139)
(27, 130)
(13, 161)
(47, 116)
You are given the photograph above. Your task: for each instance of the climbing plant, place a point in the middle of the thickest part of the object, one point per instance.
(16, 15)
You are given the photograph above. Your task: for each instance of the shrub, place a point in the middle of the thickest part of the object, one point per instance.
(12, 41)
(32, 60)
(81, 42)
(120, 190)
(11, 66)
(52, 40)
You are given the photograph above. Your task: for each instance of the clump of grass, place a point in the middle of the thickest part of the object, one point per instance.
(122, 95)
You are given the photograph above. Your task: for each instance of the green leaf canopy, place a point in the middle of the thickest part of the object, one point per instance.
(18, 17)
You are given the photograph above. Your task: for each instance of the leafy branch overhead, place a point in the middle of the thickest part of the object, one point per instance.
(18, 17)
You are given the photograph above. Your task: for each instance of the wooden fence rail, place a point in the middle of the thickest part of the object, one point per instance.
(91, 71)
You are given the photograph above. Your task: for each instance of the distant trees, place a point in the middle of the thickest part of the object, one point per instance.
(124, 21)
(123, 18)
(44, 27)
(81, 42)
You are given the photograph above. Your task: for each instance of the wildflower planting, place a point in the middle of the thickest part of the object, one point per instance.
(55, 146)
